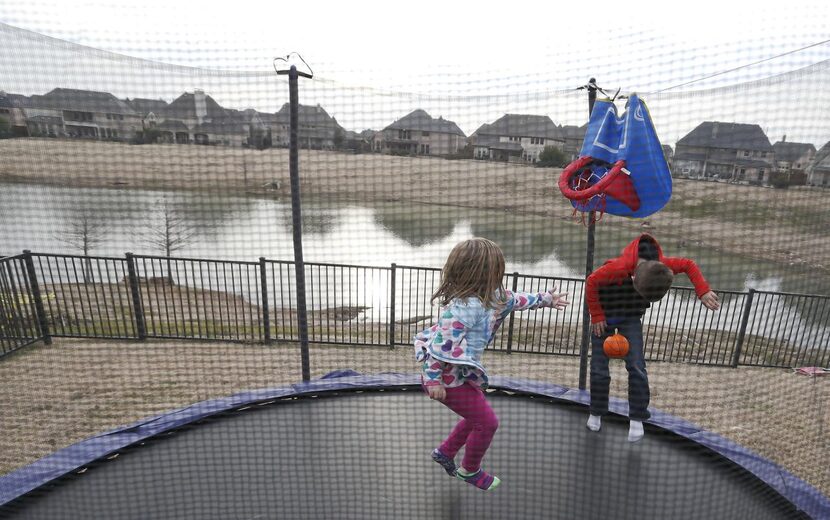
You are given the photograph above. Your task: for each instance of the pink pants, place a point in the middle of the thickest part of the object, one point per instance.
(475, 429)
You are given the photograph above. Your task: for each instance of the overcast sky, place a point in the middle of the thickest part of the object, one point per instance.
(466, 61)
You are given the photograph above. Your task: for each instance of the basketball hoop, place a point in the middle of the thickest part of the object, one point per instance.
(587, 181)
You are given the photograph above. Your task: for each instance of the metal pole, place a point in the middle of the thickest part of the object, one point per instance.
(263, 289)
(739, 343)
(589, 267)
(135, 293)
(514, 287)
(392, 283)
(297, 221)
(40, 312)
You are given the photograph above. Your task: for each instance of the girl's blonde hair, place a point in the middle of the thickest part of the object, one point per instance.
(475, 267)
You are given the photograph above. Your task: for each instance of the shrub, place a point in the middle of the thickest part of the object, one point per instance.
(779, 180)
(552, 157)
(5, 129)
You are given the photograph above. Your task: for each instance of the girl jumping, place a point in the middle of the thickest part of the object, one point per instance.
(473, 304)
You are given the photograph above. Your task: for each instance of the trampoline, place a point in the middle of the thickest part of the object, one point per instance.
(356, 446)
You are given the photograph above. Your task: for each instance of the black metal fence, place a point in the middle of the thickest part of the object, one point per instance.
(138, 297)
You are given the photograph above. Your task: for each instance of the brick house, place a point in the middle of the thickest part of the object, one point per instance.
(84, 114)
(818, 172)
(316, 129)
(12, 111)
(792, 159)
(733, 151)
(532, 133)
(573, 136)
(418, 133)
(150, 110)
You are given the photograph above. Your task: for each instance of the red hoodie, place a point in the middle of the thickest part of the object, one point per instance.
(616, 270)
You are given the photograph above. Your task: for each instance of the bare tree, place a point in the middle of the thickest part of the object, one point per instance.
(169, 232)
(83, 232)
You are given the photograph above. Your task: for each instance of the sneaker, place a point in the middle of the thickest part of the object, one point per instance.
(480, 479)
(594, 423)
(447, 463)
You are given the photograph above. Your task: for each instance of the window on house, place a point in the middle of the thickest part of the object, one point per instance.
(761, 175)
(746, 154)
(425, 134)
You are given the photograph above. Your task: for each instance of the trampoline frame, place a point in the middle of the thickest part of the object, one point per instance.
(78, 457)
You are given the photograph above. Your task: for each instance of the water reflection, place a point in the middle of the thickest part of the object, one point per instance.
(240, 228)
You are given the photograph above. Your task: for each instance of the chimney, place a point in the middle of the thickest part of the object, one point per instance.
(784, 139)
(200, 105)
(714, 130)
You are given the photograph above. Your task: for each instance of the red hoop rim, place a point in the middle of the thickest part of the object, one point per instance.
(575, 167)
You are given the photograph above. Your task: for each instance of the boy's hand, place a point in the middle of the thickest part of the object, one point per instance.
(599, 328)
(559, 301)
(437, 392)
(710, 301)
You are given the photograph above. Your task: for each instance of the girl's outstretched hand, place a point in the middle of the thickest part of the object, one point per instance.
(559, 300)
(437, 392)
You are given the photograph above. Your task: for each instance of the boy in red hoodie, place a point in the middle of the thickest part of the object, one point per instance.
(618, 294)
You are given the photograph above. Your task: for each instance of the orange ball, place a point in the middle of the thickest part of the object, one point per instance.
(615, 345)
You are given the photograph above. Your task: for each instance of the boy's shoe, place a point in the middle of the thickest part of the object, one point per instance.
(594, 423)
(480, 479)
(635, 431)
(447, 463)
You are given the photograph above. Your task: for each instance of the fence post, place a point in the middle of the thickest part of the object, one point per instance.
(40, 313)
(739, 343)
(514, 287)
(392, 281)
(266, 318)
(138, 310)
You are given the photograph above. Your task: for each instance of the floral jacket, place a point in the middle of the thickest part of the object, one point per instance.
(450, 351)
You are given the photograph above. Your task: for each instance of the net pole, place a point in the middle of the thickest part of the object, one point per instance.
(589, 267)
(296, 219)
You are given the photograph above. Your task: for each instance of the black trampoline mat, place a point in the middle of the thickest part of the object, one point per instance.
(366, 455)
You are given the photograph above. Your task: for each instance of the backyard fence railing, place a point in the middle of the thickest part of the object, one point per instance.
(138, 297)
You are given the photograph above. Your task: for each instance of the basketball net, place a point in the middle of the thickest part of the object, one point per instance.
(594, 206)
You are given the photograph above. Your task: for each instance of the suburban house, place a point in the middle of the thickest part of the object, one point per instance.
(516, 138)
(732, 151)
(418, 133)
(12, 111)
(171, 131)
(148, 109)
(573, 136)
(81, 113)
(195, 117)
(316, 129)
(818, 172)
(668, 153)
(358, 142)
(792, 159)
